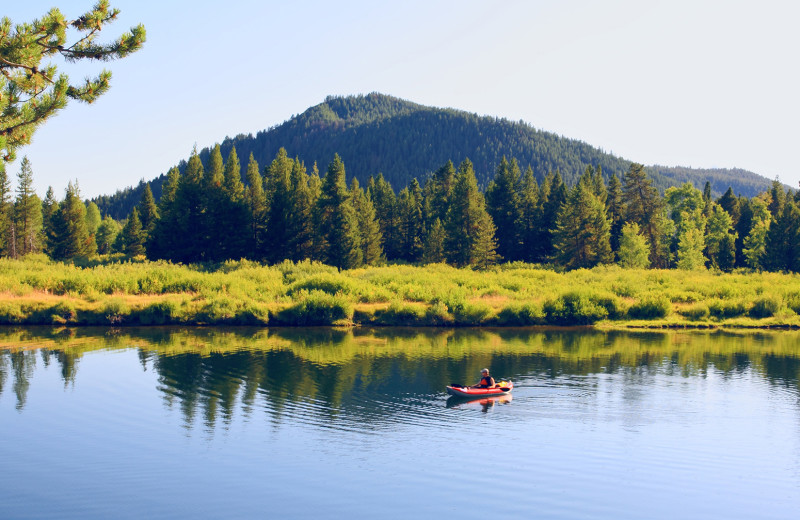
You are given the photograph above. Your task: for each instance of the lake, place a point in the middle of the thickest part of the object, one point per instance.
(321, 423)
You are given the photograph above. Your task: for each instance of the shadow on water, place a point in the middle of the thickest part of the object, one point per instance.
(209, 372)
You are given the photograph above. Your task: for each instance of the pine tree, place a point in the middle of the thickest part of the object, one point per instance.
(49, 209)
(730, 203)
(301, 219)
(583, 230)
(214, 174)
(234, 188)
(33, 92)
(469, 228)
(187, 225)
(777, 198)
(368, 225)
(385, 202)
(615, 210)
(502, 203)
(643, 206)
(433, 250)
(634, 251)
(553, 196)
(257, 206)
(148, 213)
(132, 236)
(27, 213)
(336, 220)
(279, 197)
(528, 224)
(410, 224)
(782, 246)
(70, 238)
(159, 244)
(7, 240)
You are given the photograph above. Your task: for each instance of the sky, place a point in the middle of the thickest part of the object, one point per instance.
(677, 83)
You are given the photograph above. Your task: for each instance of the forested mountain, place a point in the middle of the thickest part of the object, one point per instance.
(403, 140)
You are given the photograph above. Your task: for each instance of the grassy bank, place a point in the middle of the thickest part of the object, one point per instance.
(38, 291)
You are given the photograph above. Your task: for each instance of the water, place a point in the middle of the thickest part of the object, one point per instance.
(316, 423)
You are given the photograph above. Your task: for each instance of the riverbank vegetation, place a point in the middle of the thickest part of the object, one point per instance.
(121, 292)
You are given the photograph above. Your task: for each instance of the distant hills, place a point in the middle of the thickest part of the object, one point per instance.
(377, 133)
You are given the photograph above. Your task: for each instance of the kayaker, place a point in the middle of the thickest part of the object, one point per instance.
(487, 381)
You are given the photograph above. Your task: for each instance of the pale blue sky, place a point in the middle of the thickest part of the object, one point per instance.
(692, 83)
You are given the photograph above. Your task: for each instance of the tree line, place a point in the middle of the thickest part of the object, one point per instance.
(283, 211)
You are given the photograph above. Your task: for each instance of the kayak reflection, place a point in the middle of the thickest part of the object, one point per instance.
(484, 403)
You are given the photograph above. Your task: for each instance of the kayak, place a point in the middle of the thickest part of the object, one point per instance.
(478, 401)
(502, 388)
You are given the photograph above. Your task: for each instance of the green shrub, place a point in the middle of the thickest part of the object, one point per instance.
(468, 314)
(521, 315)
(727, 308)
(163, 312)
(650, 307)
(399, 313)
(765, 307)
(438, 315)
(317, 308)
(11, 313)
(63, 313)
(697, 311)
(574, 308)
(327, 283)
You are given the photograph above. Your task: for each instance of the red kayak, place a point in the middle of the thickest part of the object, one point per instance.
(501, 388)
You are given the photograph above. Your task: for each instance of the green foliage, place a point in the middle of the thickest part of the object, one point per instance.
(520, 315)
(650, 307)
(765, 307)
(32, 92)
(722, 308)
(634, 252)
(317, 308)
(697, 311)
(574, 308)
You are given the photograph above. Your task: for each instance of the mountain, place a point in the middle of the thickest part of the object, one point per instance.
(383, 134)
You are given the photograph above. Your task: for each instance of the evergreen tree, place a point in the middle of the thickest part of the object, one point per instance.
(70, 238)
(433, 250)
(706, 192)
(743, 228)
(7, 238)
(49, 209)
(148, 213)
(754, 246)
(93, 218)
(782, 246)
(279, 197)
(336, 220)
(257, 205)
(106, 235)
(438, 190)
(730, 203)
(301, 219)
(634, 251)
(777, 198)
(553, 196)
(234, 188)
(502, 203)
(410, 223)
(132, 237)
(583, 230)
(385, 202)
(615, 211)
(528, 224)
(159, 241)
(368, 225)
(214, 174)
(27, 213)
(469, 228)
(186, 222)
(643, 206)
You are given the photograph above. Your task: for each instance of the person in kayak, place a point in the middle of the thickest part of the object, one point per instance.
(487, 381)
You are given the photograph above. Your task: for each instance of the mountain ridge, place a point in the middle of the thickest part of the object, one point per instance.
(376, 133)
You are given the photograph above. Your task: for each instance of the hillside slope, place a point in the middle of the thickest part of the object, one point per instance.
(383, 134)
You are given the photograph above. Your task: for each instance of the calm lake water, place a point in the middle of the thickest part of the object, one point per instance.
(213, 423)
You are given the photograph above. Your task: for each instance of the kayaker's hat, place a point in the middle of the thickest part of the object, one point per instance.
(485, 371)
